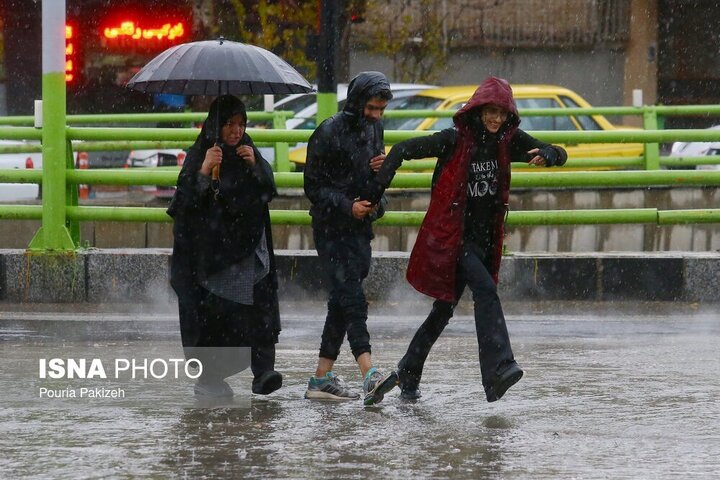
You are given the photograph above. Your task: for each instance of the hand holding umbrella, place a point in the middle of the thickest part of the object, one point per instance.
(218, 67)
(213, 159)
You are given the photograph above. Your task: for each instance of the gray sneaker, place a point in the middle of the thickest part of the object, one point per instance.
(329, 387)
(376, 385)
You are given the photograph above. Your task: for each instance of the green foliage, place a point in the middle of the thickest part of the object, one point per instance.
(282, 27)
(412, 38)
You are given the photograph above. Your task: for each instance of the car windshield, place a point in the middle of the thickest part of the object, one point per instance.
(586, 121)
(543, 122)
(416, 102)
(446, 122)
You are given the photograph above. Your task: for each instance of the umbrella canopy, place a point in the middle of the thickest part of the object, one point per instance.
(218, 67)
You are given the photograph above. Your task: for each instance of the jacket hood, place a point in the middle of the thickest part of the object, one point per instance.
(492, 90)
(222, 109)
(362, 88)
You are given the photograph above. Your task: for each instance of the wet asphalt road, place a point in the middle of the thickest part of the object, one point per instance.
(603, 396)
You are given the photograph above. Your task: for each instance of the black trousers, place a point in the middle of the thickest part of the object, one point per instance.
(224, 328)
(494, 349)
(262, 359)
(221, 363)
(345, 260)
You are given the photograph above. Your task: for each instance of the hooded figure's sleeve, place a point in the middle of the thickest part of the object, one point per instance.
(554, 155)
(439, 145)
(188, 192)
(262, 172)
(320, 187)
(183, 209)
(261, 184)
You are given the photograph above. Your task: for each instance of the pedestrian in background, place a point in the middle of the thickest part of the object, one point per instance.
(223, 265)
(461, 238)
(343, 153)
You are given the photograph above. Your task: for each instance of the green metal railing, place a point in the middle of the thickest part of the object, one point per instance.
(102, 138)
(179, 117)
(548, 178)
(405, 219)
(653, 119)
(278, 118)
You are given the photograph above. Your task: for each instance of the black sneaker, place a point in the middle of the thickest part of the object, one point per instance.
(504, 380)
(219, 389)
(408, 393)
(267, 383)
(408, 384)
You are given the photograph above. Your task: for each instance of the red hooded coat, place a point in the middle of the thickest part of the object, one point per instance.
(433, 262)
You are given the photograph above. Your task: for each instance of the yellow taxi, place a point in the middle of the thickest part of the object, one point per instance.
(526, 96)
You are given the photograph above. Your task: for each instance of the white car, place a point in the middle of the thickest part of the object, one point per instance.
(304, 105)
(13, 192)
(170, 157)
(399, 90)
(697, 149)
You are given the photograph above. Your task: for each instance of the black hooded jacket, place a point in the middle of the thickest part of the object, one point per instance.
(338, 160)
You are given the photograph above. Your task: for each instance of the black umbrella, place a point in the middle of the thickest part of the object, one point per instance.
(218, 67)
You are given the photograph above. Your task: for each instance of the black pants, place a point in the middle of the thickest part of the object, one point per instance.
(221, 363)
(345, 260)
(224, 327)
(493, 341)
(262, 359)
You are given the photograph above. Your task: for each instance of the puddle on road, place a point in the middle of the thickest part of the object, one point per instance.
(597, 401)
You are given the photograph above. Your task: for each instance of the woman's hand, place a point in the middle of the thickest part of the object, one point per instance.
(376, 162)
(247, 153)
(536, 159)
(213, 158)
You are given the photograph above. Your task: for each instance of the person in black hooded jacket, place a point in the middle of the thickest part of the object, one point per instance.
(223, 265)
(343, 153)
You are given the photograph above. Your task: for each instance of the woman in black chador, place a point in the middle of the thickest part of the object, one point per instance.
(223, 266)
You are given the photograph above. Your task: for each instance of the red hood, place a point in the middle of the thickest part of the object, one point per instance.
(493, 90)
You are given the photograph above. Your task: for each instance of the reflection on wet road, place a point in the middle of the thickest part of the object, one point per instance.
(632, 397)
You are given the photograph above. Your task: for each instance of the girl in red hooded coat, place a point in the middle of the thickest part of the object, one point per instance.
(460, 241)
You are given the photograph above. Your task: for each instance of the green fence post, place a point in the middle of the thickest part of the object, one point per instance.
(53, 235)
(71, 195)
(327, 106)
(282, 149)
(652, 150)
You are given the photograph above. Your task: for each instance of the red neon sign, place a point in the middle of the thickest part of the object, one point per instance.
(70, 57)
(130, 29)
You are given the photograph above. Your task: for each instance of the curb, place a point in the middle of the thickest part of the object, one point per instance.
(140, 277)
